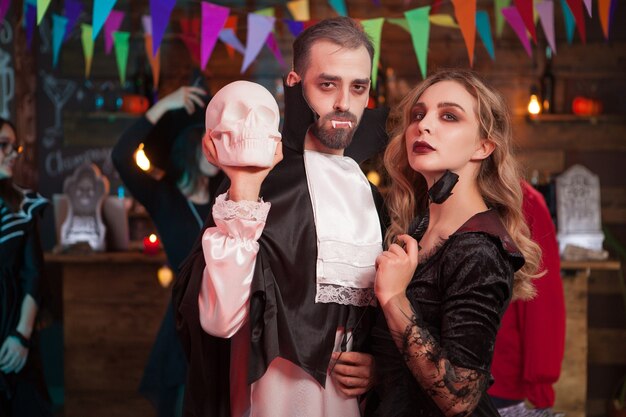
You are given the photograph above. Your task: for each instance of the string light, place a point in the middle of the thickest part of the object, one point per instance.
(141, 159)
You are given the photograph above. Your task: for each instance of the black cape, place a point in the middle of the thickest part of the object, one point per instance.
(284, 319)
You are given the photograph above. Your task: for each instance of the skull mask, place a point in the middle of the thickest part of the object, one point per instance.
(243, 120)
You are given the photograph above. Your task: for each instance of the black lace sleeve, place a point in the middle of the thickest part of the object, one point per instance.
(453, 369)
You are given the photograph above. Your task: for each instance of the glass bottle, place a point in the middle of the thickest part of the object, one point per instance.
(547, 84)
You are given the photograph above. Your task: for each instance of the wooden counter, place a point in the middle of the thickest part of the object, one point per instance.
(571, 389)
(113, 305)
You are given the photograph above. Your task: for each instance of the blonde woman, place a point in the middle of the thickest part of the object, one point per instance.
(443, 287)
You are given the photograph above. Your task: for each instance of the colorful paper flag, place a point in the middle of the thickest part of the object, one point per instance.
(465, 12)
(101, 10)
(399, 21)
(87, 41)
(498, 5)
(4, 8)
(545, 9)
(146, 23)
(160, 10)
(42, 7)
(484, 31)
(299, 9)
(259, 27)
(273, 46)
(231, 23)
(294, 27)
(374, 29)
(73, 9)
(576, 7)
(570, 23)
(444, 20)
(112, 24)
(525, 9)
(229, 37)
(30, 22)
(190, 29)
(513, 17)
(604, 8)
(213, 19)
(419, 26)
(59, 25)
(339, 6)
(121, 41)
(589, 7)
(155, 61)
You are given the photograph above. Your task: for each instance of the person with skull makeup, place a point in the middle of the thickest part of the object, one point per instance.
(273, 301)
(178, 202)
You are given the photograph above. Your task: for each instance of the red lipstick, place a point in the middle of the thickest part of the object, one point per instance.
(422, 147)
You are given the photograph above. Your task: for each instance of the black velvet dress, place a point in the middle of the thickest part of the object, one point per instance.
(21, 259)
(458, 293)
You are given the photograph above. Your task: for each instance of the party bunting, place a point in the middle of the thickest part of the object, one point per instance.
(155, 60)
(525, 9)
(484, 31)
(339, 6)
(435, 6)
(299, 9)
(87, 41)
(190, 27)
(465, 12)
(229, 37)
(4, 8)
(604, 7)
(273, 46)
(231, 23)
(295, 27)
(59, 26)
(570, 23)
(576, 8)
(589, 7)
(42, 7)
(73, 9)
(213, 19)
(545, 9)
(498, 5)
(112, 24)
(259, 27)
(513, 17)
(444, 20)
(146, 23)
(101, 10)
(399, 21)
(30, 22)
(419, 26)
(121, 41)
(374, 29)
(160, 10)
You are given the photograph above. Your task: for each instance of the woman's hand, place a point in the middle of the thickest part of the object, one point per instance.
(394, 269)
(189, 98)
(12, 355)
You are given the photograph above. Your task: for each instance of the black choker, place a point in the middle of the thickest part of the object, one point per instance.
(442, 188)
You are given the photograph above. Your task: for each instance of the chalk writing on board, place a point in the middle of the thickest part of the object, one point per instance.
(7, 84)
(6, 32)
(57, 164)
(59, 92)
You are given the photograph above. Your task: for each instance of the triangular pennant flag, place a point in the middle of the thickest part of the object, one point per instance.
(259, 27)
(87, 41)
(339, 6)
(589, 7)
(484, 31)
(525, 9)
(465, 12)
(444, 20)
(299, 9)
(112, 24)
(101, 10)
(121, 41)
(213, 19)
(498, 5)
(273, 46)
(419, 26)
(570, 24)
(576, 7)
(229, 37)
(231, 23)
(294, 27)
(160, 10)
(4, 8)
(374, 29)
(73, 9)
(59, 25)
(146, 22)
(545, 9)
(31, 22)
(399, 21)
(604, 7)
(155, 61)
(190, 29)
(268, 11)
(42, 7)
(512, 15)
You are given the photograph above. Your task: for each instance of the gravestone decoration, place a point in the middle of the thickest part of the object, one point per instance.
(578, 209)
(86, 190)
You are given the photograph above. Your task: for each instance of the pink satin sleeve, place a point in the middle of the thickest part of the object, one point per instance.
(230, 251)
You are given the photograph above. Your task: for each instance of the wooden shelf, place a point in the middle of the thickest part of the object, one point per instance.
(572, 118)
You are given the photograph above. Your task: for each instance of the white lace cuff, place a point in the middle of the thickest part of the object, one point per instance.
(245, 210)
(328, 293)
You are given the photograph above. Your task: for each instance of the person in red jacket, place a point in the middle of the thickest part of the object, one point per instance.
(531, 340)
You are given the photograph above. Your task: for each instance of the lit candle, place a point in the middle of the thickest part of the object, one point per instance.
(151, 245)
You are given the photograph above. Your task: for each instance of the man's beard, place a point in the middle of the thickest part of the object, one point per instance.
(334, 138)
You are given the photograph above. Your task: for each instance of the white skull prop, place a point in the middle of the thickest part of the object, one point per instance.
(243, 120)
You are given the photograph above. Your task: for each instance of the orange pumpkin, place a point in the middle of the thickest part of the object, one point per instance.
(135, 104)
(585, 106)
